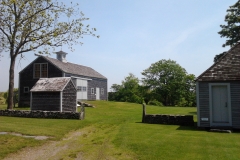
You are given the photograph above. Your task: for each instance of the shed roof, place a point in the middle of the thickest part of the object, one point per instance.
(75, 68)
(51, 84)
(227, 68)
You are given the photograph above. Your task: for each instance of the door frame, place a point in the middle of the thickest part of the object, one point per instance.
(228, 101)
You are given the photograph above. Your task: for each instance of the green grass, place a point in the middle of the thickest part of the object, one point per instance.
(113, 130)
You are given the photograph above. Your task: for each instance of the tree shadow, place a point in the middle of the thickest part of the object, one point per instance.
(194, 113)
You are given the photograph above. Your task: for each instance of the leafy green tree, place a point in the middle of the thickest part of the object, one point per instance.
(128, 91)
(26, 25)
(231, 30)
(167, 81)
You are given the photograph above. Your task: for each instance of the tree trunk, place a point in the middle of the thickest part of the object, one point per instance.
(11, 83)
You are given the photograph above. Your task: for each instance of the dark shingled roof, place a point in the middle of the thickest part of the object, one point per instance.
(227, 68)
(74, 68)
(50, 84)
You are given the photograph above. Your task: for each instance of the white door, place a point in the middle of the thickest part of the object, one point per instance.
(220, 105)
(81, 89)
(97, 93)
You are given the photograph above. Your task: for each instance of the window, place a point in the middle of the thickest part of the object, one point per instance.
(79, 88)
(82, 88)
(92, 90)
(102, 90)
(40, 70)
(26, 89)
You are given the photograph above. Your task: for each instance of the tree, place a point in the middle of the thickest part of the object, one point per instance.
(232, 29)
(167, 81)
(26, 25)
(128, 91)
(218, 56)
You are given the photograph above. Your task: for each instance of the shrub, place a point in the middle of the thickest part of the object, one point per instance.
(2, 100)
(155, 103)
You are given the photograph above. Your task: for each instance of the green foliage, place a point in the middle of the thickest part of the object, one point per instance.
(15, 96)
(169, 82)
(128, 91)
(155, 103)
(2, 100)
(164, 81)
(232, 29)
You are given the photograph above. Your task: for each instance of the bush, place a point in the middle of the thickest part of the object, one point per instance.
(155, 103)
(2, 100)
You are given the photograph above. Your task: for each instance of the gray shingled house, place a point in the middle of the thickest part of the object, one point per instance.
(54, 94)
(90, 84)
(218, 92)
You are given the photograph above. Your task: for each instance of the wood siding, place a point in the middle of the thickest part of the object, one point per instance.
(26, 79)
(94, 83)
(204, 108)
(46, 101)
(97, 83)
(235, 103)
(69, 98)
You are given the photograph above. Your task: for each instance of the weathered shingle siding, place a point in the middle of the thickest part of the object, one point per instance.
(235, 103)
(204, 104)
(69, 98)
(26, 79)
(46, 101)
(97, 83)
(94, 83)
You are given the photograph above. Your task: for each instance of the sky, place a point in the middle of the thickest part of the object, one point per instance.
(137, 33)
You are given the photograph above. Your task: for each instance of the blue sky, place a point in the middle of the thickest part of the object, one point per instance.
(136, 33)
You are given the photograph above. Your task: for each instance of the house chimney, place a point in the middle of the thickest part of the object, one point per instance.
(61, 56)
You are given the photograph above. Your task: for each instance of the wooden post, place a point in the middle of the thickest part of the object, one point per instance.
(82, 112)
(144, 112)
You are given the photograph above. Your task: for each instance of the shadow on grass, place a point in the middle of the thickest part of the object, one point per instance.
(193, 113)
(186, 128)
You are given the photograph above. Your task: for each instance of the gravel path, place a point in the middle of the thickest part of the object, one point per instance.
(53, 150)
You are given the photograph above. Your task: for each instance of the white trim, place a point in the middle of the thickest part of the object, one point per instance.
(229, 104)
(61, 101)
(25, 88)
(81, 78)
(40, 76)
(63, 74)
(198, 104)
(92, 90)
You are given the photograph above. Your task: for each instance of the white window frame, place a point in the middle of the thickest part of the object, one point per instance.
(102, 91)
(84, 88)
(40, 76)
(92, 90)
(24, 89)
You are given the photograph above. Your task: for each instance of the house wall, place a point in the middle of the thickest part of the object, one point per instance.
(204, 108)
(26, 79)
(69, 98)
(94, 83)
(46, 101)
(97, 83)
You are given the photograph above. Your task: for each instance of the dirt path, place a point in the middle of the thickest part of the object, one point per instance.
(89, 143)
(53, 150)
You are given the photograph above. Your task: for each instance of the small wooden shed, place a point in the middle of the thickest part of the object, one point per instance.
(54, 94)
(218, 92)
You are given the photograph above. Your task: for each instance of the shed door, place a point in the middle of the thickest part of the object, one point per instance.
(97, 93)
(220, 105)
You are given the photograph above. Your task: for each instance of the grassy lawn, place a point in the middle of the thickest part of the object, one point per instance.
(113, 130)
